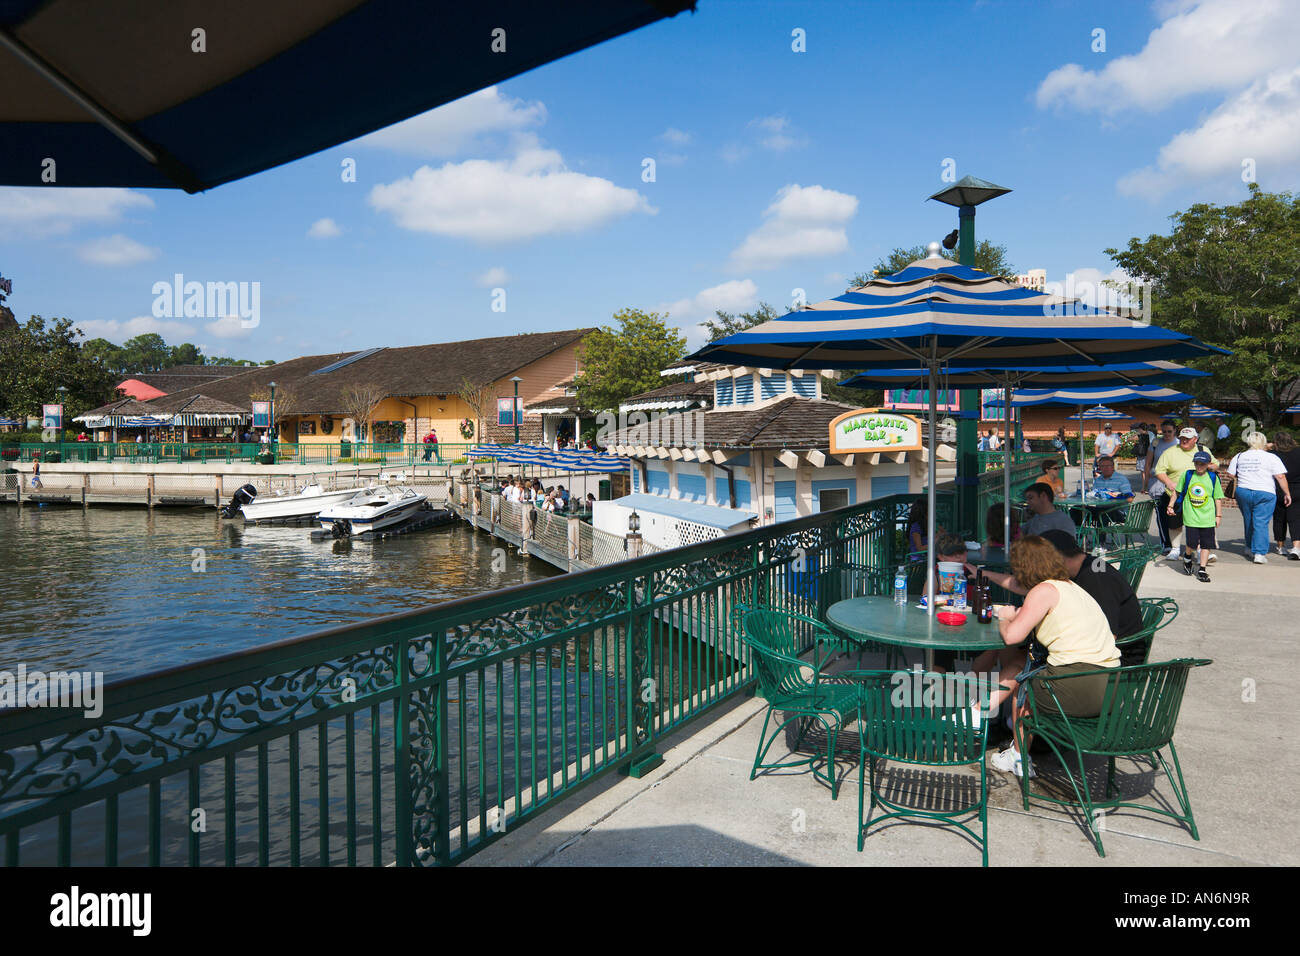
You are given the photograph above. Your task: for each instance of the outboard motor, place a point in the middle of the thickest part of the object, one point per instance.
(244, 495)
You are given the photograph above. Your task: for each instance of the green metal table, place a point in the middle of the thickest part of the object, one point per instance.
(879, 619)
(1093, 508)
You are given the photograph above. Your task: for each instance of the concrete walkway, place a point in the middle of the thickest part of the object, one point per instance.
(1236, 740)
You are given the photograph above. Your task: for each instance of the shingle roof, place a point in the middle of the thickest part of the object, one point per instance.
(436, 369)
(790, 423)
(701, 391)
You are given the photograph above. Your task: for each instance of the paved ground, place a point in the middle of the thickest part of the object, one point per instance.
(1236, 739)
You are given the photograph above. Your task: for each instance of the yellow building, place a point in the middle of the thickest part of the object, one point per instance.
(400, 394)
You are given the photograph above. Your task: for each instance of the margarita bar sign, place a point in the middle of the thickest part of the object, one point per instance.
(873, 429)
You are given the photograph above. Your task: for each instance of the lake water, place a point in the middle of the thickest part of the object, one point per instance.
(116, 590)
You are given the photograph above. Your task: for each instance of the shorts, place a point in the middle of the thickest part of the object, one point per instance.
(1199, 538)
(1079, 697)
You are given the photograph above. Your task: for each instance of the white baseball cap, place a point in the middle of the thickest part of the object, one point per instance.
(1188, 433)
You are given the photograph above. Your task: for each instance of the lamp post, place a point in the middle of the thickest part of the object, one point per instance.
(966, 194)
(275, 435)
(514, 414)
(63, 408)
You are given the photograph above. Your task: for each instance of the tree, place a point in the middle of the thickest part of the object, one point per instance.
(479, 399)
(359, 403)
(186, 354)
(988, 257)
(1227, 275)
(105, 352)
(36, 360)
(145, 353)
(616, 364)
(728, 323)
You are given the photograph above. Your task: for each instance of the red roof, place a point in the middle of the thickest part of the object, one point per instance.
(137, 389)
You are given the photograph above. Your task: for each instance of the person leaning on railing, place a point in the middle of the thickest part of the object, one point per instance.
(1068, 623)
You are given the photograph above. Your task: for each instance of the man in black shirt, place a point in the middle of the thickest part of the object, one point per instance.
(1104, 585)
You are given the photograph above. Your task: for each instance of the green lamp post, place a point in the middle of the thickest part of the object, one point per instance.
(966, 194)
(275, 434)
(63, 412)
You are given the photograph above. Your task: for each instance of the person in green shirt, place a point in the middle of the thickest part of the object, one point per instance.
(1172, 464)
(1199, 497)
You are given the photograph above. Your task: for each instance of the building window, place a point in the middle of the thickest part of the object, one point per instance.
(745, 390)
(772, 386)
(723, 392)
(805, 386)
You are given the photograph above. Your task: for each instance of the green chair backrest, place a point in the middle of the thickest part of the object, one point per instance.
(919, 717)
(1140, 709)
(777, 638)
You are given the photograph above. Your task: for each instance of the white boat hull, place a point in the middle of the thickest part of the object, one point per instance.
(296, 506)
(373, 512)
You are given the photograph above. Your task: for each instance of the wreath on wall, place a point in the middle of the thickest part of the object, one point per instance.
(326, 424)
(466, 429)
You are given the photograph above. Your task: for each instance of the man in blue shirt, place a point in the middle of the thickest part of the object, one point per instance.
(1108, 484)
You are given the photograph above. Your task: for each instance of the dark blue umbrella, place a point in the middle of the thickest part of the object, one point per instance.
(130, 95)
(936, 316)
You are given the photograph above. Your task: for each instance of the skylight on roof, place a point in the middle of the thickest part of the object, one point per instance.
(348, 361)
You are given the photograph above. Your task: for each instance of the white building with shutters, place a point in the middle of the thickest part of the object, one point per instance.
(759, 452)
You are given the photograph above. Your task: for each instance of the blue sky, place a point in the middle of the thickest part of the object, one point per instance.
(775, 170)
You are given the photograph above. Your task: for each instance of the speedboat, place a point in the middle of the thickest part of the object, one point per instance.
(371, 510)
(309, 501)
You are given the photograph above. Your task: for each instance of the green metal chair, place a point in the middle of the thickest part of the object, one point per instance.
(1136, 524)
(936, 730)
(796, 689)
(1157, 614)
(1138, 715)
(1132, 562)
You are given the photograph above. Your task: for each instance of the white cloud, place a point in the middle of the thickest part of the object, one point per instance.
(230, 327)
(1261, 124)
(533, 194)
(115, 250)
(1207, 46)
(733, 152)
(324, 229)
(119, 331)
(496, 276)
(458, 126)
(776, 133)
(675, 136)
(801, 222)
(39, 211)
(737, 295)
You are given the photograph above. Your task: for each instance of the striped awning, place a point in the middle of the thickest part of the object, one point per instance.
(1100, 413)
(1204, 411)
(1025, 397)
(194, 419)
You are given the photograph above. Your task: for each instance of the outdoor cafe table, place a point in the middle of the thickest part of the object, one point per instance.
(1093, 508)
(879, 619)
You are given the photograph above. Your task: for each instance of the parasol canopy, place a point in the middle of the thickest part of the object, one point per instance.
(195, 93)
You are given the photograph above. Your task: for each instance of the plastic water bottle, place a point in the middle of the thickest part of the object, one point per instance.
(900, 585)
(959, 591)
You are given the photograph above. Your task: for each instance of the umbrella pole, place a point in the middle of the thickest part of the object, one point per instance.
(1081, 452)
(930, 511)
(1006, 474)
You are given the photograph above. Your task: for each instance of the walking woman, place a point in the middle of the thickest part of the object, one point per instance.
(1062, 448)
(1256, 471)
(1285, 515)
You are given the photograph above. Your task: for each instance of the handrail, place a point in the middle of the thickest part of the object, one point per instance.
(422, 736)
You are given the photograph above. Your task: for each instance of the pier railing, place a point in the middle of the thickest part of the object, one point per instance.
(422, 737)
(155, 453)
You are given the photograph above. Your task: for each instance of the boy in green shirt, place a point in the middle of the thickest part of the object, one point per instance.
(1199, 494)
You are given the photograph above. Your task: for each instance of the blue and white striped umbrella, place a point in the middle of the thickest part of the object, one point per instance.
(937, 316)
(9, 421)
(1029, 397)
(1120, 375)
(1204, 411)
(1098, 414)
(1293, 410)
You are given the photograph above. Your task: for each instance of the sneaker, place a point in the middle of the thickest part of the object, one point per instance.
(1293, 554)
(1211, 559)
(1173, 553)
(1189, 564)
(1202, 576)
(1281, 548)
(1009, 761)
(1260, 559)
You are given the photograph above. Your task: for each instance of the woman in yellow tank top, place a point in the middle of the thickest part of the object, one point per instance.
(1070, 624)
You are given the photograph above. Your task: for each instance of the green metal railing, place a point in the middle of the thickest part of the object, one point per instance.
(420, 738)
(1025, 470)
(202, 452)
